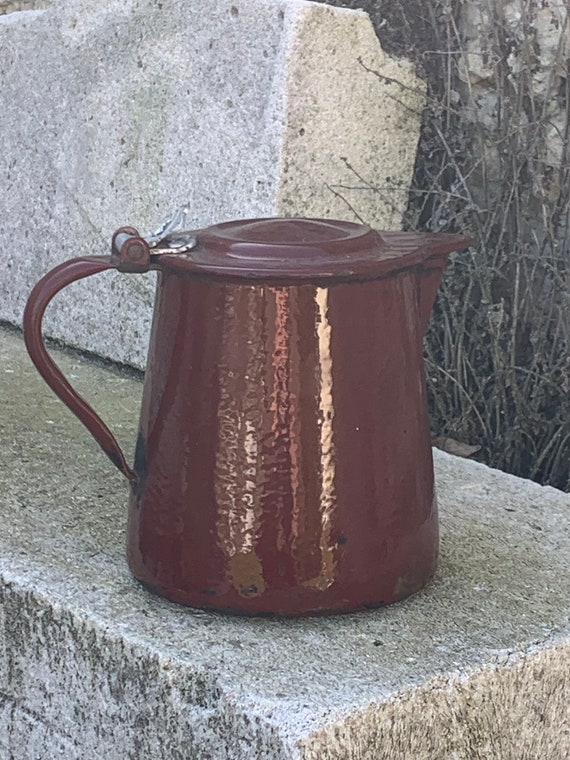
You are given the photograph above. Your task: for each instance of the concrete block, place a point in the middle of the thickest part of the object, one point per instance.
(117, 113)
(475, 666)
(13, 6)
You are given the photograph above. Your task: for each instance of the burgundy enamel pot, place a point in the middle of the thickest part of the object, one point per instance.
(283, 462)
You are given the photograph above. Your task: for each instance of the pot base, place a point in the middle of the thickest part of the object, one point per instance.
(288, 604)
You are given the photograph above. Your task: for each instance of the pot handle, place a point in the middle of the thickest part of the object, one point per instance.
(129, 259)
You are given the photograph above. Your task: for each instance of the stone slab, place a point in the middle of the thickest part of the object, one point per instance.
(475, 666)
(13, 6)
(119, 112)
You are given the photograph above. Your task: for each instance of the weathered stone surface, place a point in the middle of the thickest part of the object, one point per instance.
(11, 6)
(475, 666)
(538, 37)
(117, 113)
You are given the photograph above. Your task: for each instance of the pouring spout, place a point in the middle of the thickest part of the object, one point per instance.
(429, 280)
(438, 248)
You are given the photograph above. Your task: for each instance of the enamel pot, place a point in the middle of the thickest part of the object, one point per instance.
(283, 462)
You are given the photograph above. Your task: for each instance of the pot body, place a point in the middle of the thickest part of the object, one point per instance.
(283, 463)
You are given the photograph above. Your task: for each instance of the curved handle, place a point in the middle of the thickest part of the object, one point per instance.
(41, 295)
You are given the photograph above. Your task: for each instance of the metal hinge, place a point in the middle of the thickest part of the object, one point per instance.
(171, 237)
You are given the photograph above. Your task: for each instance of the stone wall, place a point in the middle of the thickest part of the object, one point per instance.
(490, 43)
(119, 112)
(538, 38)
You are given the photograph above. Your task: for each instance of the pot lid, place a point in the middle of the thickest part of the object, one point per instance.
(300, 249)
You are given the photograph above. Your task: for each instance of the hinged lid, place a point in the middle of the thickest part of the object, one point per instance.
(301, 249)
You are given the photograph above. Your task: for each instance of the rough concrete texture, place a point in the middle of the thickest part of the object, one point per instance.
(475, 666)
(11, 6)
(117, 113)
